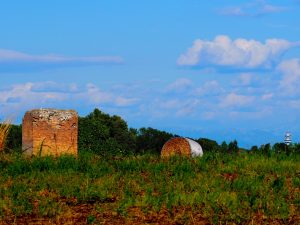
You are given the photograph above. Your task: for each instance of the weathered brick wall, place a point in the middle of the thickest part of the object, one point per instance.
(50, 132)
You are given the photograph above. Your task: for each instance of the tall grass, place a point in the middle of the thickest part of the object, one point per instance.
(4, 130)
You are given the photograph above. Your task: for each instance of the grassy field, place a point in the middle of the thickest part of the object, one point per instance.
(214, 189)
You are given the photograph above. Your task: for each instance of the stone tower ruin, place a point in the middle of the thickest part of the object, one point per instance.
(50, 132)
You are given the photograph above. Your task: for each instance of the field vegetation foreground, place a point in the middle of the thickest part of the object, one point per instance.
(145, 189)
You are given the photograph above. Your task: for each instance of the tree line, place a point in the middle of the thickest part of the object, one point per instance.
(104, 134)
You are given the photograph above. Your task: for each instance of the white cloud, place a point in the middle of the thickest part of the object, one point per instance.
(244, 79)
(291, 76)
(188, 109)
(21, 97)
(232, 11)
(211, 87)
(51, 86)
(25, 93)
(294, 104)
(94, 95)
(171, 104)
(122, 101)
(232, 100)
(178, 107)
(251, 115)
(209, 115)
(15, 56)
(179, 85)
(239, 53)
(267, 96)
(12, 61)
(253, 9)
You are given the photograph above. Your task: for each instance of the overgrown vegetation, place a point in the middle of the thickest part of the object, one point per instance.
(215, 188)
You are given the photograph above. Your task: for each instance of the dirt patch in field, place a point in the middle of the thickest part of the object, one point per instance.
(106, 213)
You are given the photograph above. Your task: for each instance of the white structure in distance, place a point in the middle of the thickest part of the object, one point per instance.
(288, 138)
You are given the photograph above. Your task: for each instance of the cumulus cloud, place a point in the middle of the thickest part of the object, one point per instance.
(11, 60)
(232, 100)
(252, 9)
(290, 81)
(239, 53)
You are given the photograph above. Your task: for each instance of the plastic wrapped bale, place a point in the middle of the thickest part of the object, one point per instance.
(182, 147)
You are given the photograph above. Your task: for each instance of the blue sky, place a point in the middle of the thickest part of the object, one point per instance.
(223, 70)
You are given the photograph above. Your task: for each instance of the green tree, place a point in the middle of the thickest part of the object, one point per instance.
(151, 140)
(209, 145)
(279, 148)
(104, 134)
(254, 149)
(296, 148)
(224, 147)
(233, 147)
(267, 149)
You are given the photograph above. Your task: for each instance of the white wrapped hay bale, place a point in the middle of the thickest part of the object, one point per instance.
(181, 146)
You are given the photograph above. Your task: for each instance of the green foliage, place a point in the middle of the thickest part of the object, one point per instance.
(91, 219)
(151, 140)
(254, 149)
(265, 149)
(14, 138)
(233, 147)
(279, 147)
(104, 134)
(209, 145)
(224, 147)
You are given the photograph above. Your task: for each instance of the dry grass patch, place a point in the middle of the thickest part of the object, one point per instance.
(4, 130)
